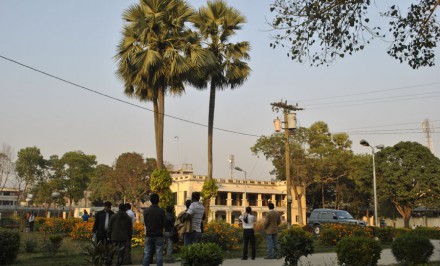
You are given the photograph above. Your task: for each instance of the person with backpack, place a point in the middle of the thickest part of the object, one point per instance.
(248, 221)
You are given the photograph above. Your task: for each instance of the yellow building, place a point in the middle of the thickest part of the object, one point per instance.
(230, 201)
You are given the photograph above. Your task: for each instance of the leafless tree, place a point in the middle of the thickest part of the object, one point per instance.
(7, 165)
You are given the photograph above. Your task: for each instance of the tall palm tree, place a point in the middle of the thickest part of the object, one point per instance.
(216, 23)
(157, 54)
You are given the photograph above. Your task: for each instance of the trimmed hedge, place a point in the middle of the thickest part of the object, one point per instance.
(428, 232)
(9, 245)
(293, 244)
(202, 254)
(411, 249)
(353, 251)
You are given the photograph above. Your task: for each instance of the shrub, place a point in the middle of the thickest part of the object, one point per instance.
(411, 249)
(385, 235)
(9, 222)
(227, 236)
(398, 232)
(293, 244)
(328, 236)
(59, 225)
(52, 246)
(98, 253)
(202, 254)
(259, 238)
(82, 231)
(9, 245)
(352, 251)
(332, 233)
(428, 232)
(30, 245)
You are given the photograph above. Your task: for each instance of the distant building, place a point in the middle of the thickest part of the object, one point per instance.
(230, 201)
(9, 196)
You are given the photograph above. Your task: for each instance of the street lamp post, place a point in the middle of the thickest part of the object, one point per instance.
(365, 143)
(245, 184)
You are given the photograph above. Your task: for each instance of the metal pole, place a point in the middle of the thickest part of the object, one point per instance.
(245, 190)
(374, 188)
(288, 181)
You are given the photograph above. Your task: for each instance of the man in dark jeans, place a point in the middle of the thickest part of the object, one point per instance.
(154, 219)
(248, 221)
(120, 230)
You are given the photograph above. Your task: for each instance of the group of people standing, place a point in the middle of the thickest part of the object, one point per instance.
(162, 227)
(271, 222)
(117, 229)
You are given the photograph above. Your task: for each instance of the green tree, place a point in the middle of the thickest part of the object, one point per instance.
(273, 148)
(101, 189)
(160, 183)
(362, 197)
(321, 161)
(30, 167)
(408, 175)
(131, 177)
(75, 168)
(157, 55)
(329, 161)
(43, 190)
(320, 31)
(217, 23)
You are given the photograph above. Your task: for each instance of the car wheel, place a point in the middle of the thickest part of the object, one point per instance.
(316, 229)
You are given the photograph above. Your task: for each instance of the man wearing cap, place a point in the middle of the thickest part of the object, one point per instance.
(102, 219)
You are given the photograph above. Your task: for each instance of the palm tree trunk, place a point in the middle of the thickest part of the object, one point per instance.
(161, 121)
(211, 127)
(207, 201)
(156, 130)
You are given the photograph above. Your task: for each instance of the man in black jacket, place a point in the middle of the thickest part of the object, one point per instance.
(102, 219)
(154, 219)
(120, 231)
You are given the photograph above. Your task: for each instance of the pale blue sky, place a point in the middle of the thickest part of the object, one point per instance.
(76, 41)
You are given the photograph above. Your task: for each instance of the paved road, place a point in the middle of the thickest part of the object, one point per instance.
(320, 259)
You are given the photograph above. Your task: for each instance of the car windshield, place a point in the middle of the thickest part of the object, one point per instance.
(344, 215)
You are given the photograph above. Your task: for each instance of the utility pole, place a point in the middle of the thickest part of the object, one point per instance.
(428, 129)
(289, 116)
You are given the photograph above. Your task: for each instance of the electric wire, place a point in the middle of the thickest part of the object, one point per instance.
(123, 101)
(249, 134)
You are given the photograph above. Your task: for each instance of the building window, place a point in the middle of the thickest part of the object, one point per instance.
(221, 198)
(252, 199)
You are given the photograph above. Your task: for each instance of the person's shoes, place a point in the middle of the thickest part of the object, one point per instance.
(243, 258)
(253, 259)
(169, 261)
(269, 258)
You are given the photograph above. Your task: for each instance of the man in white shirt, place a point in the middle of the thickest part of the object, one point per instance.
(197, 211)
(248, 221)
